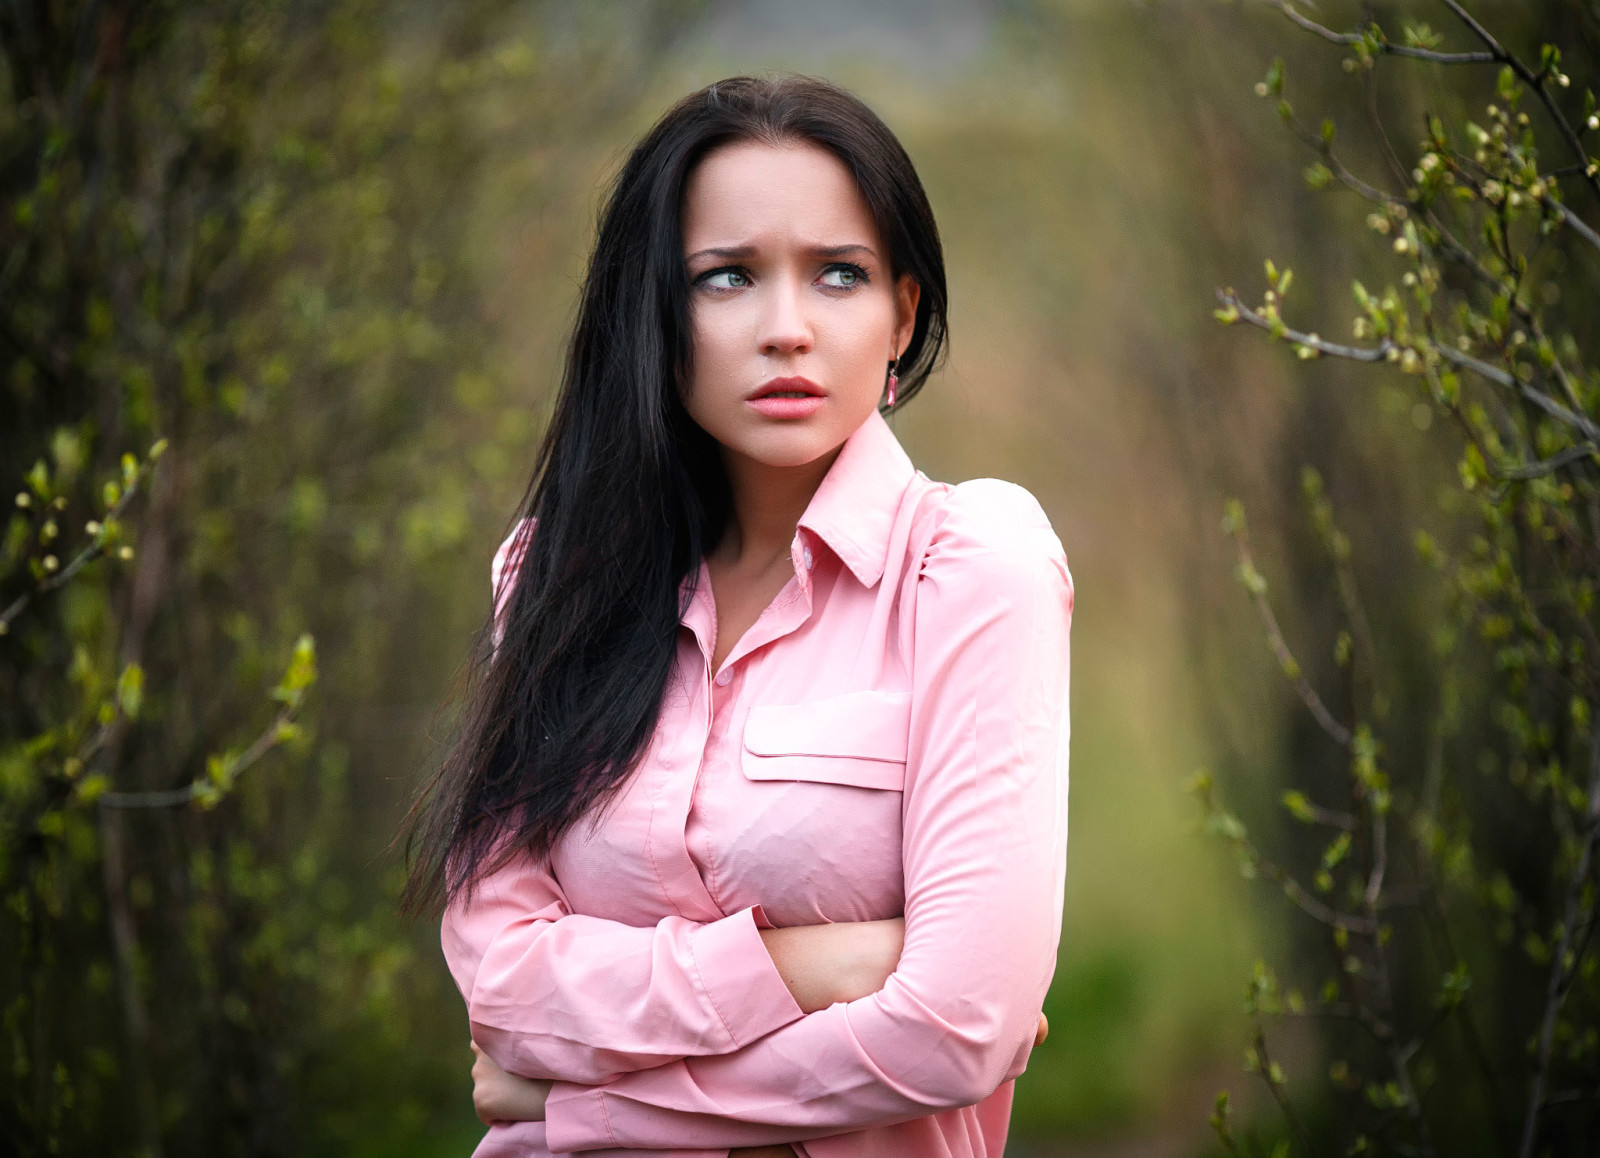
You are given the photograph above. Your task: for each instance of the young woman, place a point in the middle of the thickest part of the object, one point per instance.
(753, 838)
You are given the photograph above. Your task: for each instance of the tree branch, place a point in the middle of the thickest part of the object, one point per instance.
(172, 797)
(1280, 647)
(1380, 353)
(1500, 53)
(1384, 45)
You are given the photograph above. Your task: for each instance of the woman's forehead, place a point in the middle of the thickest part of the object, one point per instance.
(754, 194)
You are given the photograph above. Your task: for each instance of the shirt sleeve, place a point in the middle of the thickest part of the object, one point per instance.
(985, 830)
(555, 994)
(560, 995)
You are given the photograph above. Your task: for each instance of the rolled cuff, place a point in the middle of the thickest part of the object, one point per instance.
(744, 987)
(739, 977)
(575, 1119)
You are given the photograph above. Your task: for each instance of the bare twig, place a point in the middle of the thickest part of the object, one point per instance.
(1578, 225)
(1549, 465)
(1291, 666)
(1272, 1075)
(171, 797)
(1383, 45)
(1324, 914)
(1561, 973)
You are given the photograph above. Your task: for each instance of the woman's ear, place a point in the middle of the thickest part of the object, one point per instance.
(907, 293)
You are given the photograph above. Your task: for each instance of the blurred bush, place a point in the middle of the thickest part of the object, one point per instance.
(245, 229)
(1444, 800)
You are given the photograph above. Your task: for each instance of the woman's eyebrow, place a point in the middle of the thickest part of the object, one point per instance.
(738, 252)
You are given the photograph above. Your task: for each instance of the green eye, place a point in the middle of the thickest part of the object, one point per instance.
(848, 276)
(737, 279)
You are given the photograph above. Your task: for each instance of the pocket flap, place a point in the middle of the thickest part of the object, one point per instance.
(869, 725)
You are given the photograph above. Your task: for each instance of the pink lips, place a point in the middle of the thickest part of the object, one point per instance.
(778, 398)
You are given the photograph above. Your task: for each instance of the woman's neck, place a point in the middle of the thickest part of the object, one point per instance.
(767, 504)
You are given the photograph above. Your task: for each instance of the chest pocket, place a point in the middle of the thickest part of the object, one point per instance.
(858, 739)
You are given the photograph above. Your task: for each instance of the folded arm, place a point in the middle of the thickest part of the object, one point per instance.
(985, 826)
(556, 994)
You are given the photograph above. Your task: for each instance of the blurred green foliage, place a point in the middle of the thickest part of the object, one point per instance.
(328, 252)
(1446, 812)
(242, 228)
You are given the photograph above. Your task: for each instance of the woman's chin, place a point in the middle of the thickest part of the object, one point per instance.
(791, 443)
(789, 449)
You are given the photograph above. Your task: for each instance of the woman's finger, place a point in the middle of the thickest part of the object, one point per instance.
(1042, 1032)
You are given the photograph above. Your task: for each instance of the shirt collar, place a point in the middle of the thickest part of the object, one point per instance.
(853, 510)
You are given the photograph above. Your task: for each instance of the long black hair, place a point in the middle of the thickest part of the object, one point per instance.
(629, 493)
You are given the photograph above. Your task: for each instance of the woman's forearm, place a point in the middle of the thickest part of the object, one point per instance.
(843, 961)
(820, 964)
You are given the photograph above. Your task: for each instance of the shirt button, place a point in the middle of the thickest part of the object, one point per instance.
(808, 558)
(724, 677)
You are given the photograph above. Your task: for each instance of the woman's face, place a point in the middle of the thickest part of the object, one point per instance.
(793, 314)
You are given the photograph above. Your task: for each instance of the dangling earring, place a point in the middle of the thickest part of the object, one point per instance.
(894, 379)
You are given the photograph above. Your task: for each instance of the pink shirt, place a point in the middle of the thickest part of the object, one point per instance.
(888, 739)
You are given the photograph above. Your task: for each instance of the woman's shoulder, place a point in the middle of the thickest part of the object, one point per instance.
(507, 558)
(987, 517)
(984, 544)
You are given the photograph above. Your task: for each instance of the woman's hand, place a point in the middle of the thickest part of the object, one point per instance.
(501, 1097)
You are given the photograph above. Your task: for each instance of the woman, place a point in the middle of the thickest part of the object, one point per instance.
(753, 838)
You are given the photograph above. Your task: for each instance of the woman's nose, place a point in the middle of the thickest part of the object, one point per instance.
(785, 327)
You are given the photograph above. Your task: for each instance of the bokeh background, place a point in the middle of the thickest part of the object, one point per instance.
(355, 375)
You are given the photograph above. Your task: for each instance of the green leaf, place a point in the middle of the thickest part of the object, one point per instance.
(130, 690)
(1507, 86)
(1337, 850)
(1275, 75)
(1421, 36)
(301, 673)
(1299, 807)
